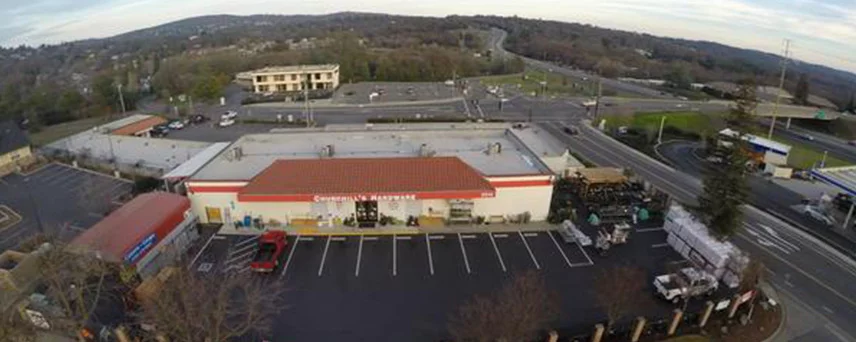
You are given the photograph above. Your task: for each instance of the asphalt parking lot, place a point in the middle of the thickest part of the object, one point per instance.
(57, 199)
(358, 93)
(403, 287)
(209, 132)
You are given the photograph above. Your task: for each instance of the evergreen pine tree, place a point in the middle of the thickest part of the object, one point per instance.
(725, 188)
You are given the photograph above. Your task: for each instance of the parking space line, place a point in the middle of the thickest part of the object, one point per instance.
(659, 245)
(307, 238)
(502, 236)
(290, 256)
(430, 259)
(466, 236)
(403, 238)
(530, 234)
(584, 253)
(252, 238)
(239, 257)
(564, 256)
(241, 249)
(371, 238)
(464, 253)
(525, 243)
(200, 251)
(359, 256)
(646, 230)
(394, 256)
(339, 238)
(498, 255)
(324, 256)
(437, 237)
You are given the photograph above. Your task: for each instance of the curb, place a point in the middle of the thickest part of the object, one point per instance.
(588, 124)
(309, 231)
(782, 322)
(357, 106)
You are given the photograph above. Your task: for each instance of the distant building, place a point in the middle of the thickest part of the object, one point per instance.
(293, 78)
(14, 147)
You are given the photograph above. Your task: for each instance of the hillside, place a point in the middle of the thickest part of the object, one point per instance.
(630, 54)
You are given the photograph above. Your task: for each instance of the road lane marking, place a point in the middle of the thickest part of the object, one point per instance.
(532, 255)
(359, 256)
(827, 309)
(498, 255)
(764, 242)
(659, 245)
(238, 257)
(800, 270)
(646, 230)
(564, 256)
(201, 250)
(430, 259)
(290, 256)
(241, 250)
(324, 256)
(394, 256)
(835, 330)
(464, 253)
(218, 237)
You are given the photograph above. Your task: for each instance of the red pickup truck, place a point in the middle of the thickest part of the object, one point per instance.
(271, 245)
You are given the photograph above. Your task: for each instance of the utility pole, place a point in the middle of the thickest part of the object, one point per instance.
(599, 93)
(785, 60)
(121, 97)
(660, 135)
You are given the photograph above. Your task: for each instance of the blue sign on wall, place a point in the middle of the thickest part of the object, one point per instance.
(141, 248)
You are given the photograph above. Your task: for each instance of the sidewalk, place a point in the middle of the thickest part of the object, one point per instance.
(391, 230)
(318, 104)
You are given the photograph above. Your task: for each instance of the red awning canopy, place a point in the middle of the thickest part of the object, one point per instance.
(356, 179)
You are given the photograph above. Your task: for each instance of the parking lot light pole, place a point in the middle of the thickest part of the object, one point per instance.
(33, 204)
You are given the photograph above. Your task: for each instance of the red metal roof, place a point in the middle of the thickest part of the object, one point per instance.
(142, 125)
(417, 177)
(117, 234)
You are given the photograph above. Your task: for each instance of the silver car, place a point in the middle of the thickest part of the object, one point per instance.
(818, 214)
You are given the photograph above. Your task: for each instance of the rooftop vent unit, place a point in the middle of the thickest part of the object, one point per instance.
(327, 151)
(425, 151)
(494, 148)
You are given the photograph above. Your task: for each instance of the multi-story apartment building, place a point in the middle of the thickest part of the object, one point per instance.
(293, 78)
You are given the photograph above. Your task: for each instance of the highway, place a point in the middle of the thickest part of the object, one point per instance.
(806, 269)
(822, 142)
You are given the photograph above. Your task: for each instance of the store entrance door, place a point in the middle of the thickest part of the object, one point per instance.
(366, 213)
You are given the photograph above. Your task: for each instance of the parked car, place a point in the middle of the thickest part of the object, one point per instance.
(198, 119)
(808, 137)
(271, 245)
(176, 125)
(159, 130)
(226, 123)
(818, 214)
(229, 115)
(688, 282)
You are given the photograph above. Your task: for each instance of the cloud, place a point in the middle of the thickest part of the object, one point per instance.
(823, 30)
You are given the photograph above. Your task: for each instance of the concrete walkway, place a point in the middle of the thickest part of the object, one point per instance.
(397, 230)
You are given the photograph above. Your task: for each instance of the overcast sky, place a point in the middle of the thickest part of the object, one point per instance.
(822, 31)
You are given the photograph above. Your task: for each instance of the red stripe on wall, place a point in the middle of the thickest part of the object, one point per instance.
(520, 184)
(214, 188)
(419, 195)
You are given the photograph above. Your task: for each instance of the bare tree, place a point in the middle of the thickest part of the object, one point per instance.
(752, 275)
(618, 289)
(191, 307)
(75, 284)
(516, 312)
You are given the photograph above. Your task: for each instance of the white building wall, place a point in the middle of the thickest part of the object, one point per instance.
(771, 157)
(435, 207)
(280, 211)
(222, 200)
(516, 200)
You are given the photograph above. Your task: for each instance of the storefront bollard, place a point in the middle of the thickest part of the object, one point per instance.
(638, 328)
(676, 320)
(598, 333)
(735, 303)
(708, 309)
